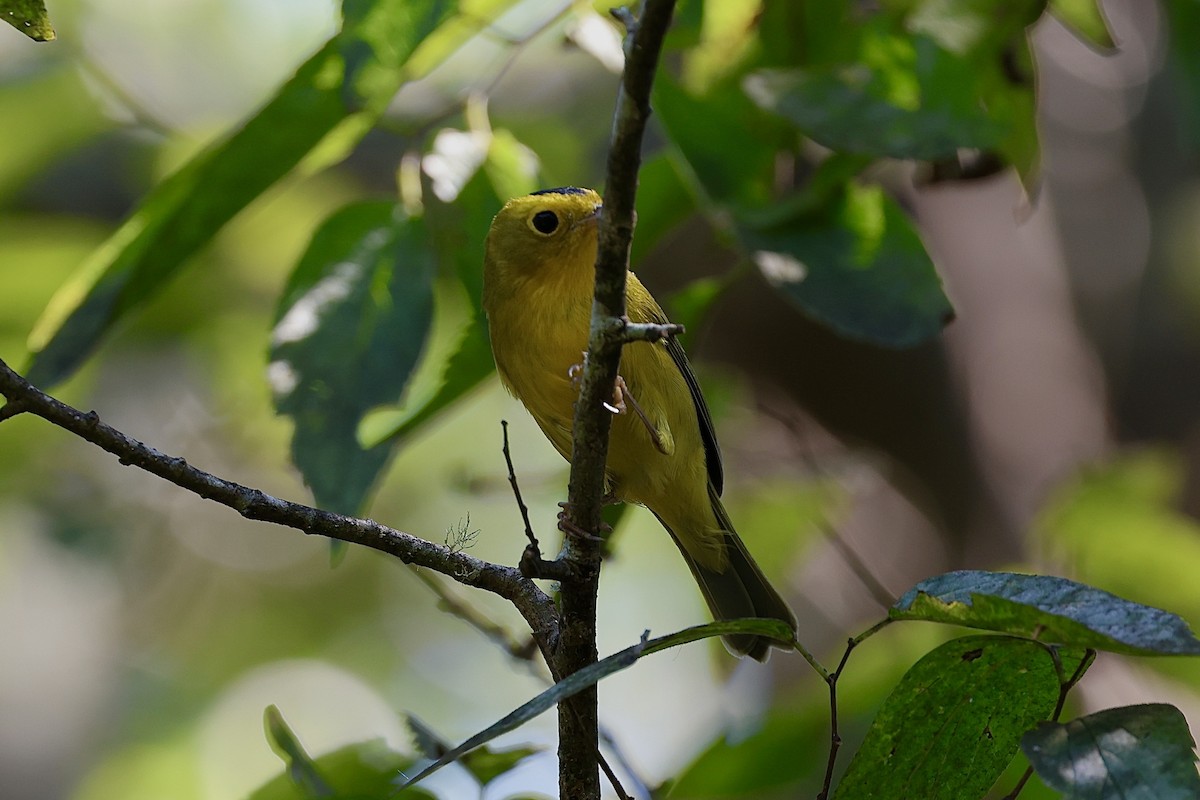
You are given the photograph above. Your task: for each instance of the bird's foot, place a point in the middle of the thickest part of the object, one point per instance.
(567, 526)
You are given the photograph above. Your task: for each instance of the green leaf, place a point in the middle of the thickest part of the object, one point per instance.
(355, 74)
(349, 331)
(1120, 526)
(954, 721)
(727, 143)
(355, 772)
(1086, 18)
(29, 17)
(300, 768)
(1142, 751)
(458, 230)
(1183, 28)
(663, 202)
(1052, 609)
(593, 673)
(484, 764)
(913, 99)
(859, 267)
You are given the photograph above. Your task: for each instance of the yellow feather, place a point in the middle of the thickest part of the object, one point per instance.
(539, 273)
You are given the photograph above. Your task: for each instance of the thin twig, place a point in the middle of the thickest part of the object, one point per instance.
(512, 479)
(835, 738)
(1065, 685)
(649, 331)
(533, 604)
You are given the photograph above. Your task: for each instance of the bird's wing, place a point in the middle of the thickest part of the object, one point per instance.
(712, 453)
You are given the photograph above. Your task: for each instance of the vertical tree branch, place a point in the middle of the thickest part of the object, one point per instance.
(578, 719)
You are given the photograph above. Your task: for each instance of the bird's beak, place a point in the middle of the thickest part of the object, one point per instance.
(589, 219)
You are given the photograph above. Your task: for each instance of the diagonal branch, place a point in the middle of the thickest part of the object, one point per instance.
(533, 604)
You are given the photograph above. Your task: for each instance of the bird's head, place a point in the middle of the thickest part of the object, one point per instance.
(552, 229)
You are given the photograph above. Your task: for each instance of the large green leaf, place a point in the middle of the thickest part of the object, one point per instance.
(354, 75)
(954, 721)
(1052, 609)
(915, 101)
(859, 267)
(459, 230)
(1125, 753)
(728, 144)
(350, 329)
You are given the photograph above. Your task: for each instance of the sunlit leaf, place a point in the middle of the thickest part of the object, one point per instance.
(1085, 17)
(355, 73)
(1142, 751)
(954, 721)
(860, 267)
(29, 17)
(1052, 609)
(350, 328)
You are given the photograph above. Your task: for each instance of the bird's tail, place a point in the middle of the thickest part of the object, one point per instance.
(738, 590)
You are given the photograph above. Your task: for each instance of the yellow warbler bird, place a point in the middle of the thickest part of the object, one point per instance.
(539, 274)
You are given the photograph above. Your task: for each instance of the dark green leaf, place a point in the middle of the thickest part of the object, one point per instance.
(860, 268)
(355, 772)
(1183, 26)
(459, 230)
(1117, 754)
(29, 17)
(793, 34)
(954, 721)
(1052, 609)
(1085, 17)
(714, 134)
(355, 73)
(350, 328)
(913, 102)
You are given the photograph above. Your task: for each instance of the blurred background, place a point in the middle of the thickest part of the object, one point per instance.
(1051, 427)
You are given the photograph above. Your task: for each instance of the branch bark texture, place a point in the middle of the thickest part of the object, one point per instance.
(578, 719)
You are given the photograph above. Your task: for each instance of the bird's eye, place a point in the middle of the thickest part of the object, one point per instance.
(545, 222)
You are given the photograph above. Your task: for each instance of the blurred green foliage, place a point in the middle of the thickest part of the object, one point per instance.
(158, 261)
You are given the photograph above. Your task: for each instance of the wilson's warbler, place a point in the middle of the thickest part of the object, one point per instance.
(539, 274)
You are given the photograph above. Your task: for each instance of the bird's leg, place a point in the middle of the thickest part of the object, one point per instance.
(571, 529)
(621, 390)
(622, 401)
